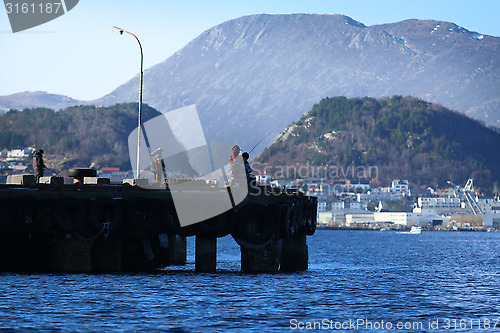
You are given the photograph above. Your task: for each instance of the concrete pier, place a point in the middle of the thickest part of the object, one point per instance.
(294, 255)
(206, 254)
(95, 226)
(71, 253)
(264, 259)
(177, 249)
(107, 254)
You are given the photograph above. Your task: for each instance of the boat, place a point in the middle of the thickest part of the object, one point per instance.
(413, 231)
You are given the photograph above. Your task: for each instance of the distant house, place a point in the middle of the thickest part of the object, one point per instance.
(358, 205)
(263, 179)
(19, 153)
(322, 206)
(337, 205)
(400, 186)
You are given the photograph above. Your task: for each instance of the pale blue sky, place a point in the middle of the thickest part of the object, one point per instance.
(79, 56)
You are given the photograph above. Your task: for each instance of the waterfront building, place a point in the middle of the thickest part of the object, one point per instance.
(489, 206)
(491, 220)
(438, 202)
(337, 205)
(322, 206)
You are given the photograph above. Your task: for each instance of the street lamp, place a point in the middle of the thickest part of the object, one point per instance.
(139, 125)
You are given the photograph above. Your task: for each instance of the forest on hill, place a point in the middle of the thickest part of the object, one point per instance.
(402, 137)
(82, 135)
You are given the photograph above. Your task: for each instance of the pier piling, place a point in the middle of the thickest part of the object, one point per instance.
(263, 259)
(206, 254)
(294, 255)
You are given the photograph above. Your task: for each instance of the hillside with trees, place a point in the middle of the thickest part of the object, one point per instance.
(77, 135)
(403, 137)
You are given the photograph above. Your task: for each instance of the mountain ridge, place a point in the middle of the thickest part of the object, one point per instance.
(36, 99)
(256, 74)
(271, 68)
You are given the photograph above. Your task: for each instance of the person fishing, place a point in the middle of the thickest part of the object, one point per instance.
(38, 165)
(248, 169)
(237, 168)
(157, 165)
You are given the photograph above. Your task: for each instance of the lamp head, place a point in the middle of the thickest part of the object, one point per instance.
(117, 30)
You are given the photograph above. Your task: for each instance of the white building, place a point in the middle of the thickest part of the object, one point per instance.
(376, 195)
(264, 180)
(400, 186)
(358, 205)
(337, 205)
(438, 202)
(489, 206)
(19, 153)
(491, 220)
(399, 218)
(322, 206)
(359, 218)
(115, 175)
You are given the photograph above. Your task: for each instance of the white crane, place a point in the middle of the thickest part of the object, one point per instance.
(467, 192)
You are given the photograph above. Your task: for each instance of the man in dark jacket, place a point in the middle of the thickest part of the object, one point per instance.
(248, 169)
(38, 164)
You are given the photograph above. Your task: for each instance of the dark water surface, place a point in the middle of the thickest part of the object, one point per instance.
(428, 282)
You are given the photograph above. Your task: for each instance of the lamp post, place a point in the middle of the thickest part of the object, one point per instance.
(139, 125)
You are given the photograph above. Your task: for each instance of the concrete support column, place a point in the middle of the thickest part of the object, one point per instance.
(294, 255)
(71, 253)
(206, 254)
(178, 249)
(265, 259)
(107, 254)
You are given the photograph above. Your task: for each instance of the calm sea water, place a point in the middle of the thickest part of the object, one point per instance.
(383, 278)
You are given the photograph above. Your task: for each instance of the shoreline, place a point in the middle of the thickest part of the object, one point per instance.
(481, 229)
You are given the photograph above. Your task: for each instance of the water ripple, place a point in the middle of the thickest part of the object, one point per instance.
(353, 275)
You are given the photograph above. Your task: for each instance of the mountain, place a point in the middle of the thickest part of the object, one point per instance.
(79, 135)
(256, 74)
(385, 139)
(36, 99)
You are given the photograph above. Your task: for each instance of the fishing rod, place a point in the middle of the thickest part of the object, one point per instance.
(260, 141)
(53, 171)
(165, 169)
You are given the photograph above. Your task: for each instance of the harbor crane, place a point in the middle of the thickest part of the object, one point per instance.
(466, 193)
